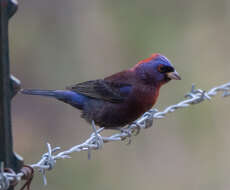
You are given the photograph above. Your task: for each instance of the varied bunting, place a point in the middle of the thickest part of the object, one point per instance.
(121, 98)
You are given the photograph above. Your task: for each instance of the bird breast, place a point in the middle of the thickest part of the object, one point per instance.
(111, 115)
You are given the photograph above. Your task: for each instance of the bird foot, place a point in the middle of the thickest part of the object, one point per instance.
(127, 135)
(98, 138)
(98, 141)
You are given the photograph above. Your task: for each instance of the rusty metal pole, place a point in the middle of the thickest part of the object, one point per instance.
(7, 9)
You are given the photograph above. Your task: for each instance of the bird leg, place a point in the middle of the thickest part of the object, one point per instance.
(128, 135)
(125, 131)
(98, 140)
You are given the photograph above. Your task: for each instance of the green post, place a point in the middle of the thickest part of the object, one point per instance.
(7, 9)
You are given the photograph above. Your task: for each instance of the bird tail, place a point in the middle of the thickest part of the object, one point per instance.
(67, 96)
(39, 92)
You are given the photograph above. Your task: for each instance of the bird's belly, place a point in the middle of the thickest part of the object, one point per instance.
(112, 115)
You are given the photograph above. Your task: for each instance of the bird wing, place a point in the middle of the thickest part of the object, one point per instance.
(101, 89)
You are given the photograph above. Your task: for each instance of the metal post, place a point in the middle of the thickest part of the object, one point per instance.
(7, 9)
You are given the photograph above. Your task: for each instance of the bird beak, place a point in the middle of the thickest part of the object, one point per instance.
(174, 75)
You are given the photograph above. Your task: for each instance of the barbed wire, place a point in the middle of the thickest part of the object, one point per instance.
(96, 140)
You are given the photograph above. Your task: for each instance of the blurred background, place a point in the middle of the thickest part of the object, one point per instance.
(58, 43)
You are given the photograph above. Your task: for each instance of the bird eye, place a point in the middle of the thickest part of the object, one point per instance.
(160, 68)
(165, 69)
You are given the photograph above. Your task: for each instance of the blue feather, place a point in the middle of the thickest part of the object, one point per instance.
(67, 96)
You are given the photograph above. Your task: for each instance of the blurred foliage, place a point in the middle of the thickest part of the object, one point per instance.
(57, 43)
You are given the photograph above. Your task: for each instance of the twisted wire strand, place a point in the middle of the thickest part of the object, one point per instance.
(96, 140)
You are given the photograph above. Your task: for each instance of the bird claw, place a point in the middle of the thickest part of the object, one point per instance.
(127, 135)
(136, 131)
(97, 140)
(129, 140)
(95, 133)
(149, 120)
(135, 128)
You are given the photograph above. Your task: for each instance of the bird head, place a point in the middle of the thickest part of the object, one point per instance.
(156, 70)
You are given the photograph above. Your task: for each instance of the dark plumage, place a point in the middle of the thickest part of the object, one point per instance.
(119, 99)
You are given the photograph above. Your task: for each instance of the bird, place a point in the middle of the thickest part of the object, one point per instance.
(117, 100)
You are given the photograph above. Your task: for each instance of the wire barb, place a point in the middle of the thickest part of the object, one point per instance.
(96, 140)
(4, 179)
